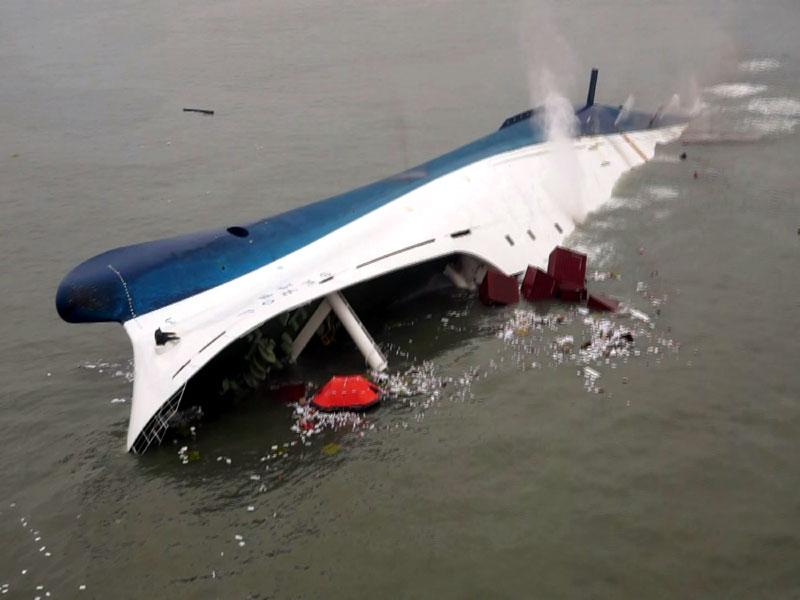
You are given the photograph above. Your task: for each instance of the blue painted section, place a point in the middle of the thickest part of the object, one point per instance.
(134, 280)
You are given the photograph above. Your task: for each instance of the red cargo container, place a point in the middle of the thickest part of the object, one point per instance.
(538, 285)
(601, 302)
(571, 292)
(497, 288)
(567, 266)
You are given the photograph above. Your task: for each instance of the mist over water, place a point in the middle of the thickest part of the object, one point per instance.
(496, 468)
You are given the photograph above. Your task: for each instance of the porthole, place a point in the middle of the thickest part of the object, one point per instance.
(238, 231)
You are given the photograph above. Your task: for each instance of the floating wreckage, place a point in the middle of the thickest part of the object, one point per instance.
(502, 202)
(565, 279)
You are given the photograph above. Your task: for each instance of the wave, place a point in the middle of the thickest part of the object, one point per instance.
(760, 65)
(737, 90)
(784, 107)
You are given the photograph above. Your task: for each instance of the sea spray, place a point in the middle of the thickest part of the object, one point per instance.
(624, 111)
(562, 180)
(673, 106)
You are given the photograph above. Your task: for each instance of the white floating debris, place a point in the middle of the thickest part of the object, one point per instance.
(590, 372)
(81, 587)
(238, 537)
(564, 343)
(251, 508)
(119, 400)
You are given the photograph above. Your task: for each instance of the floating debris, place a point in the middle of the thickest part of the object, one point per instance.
(499, 288)
(202, 111)
(591, 373)
(637, 314)
(331, 449)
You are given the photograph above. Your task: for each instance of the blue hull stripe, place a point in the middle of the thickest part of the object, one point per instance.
(122, 283)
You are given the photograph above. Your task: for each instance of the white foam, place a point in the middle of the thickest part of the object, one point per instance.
(665, 158)
(760, 65)
(661, 192)
(771, 125)
(600, 254)
(605, 224)
(660, 215)
(785, 107)
(737, 90)
(773, 115)
(616, 202)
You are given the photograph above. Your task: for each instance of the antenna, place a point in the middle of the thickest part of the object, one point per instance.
(592, 86)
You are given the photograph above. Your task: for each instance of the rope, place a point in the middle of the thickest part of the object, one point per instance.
(125, 287)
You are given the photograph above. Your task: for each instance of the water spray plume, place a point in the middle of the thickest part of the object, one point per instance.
(624, 111)
(563, 182)
(673, 105)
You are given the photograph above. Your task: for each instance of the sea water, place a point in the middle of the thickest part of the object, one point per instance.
(506, 461)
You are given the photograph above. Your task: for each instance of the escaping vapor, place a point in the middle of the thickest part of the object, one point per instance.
(673, 105)
(625, 111)
(563, 182)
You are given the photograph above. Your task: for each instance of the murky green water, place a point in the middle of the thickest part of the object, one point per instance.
(681, 479)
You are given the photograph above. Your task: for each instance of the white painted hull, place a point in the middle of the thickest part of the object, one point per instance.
(531, 196)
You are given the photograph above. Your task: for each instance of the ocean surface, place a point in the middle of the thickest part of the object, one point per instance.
(506, 469)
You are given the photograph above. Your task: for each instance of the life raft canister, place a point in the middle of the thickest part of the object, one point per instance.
(347, 393)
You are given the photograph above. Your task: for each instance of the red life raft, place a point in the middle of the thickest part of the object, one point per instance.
(349, 392)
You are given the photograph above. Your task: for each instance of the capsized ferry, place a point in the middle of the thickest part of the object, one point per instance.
(503, 201)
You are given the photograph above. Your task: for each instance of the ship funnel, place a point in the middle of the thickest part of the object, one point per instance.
(592, 86)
